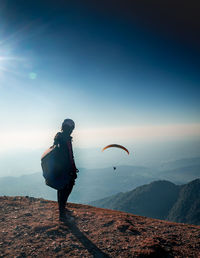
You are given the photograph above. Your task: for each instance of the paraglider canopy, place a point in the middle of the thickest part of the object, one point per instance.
(116, 146)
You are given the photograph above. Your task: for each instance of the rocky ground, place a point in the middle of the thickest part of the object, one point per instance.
(30, 228)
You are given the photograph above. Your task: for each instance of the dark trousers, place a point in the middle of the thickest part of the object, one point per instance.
(63, 195)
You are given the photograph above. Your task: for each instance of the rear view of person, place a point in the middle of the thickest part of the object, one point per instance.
(63, 139)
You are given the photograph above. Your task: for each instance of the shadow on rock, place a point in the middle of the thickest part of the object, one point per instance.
(70, 224)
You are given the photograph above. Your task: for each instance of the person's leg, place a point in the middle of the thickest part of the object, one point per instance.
(68, 191)
(61, 202)
(63, 195)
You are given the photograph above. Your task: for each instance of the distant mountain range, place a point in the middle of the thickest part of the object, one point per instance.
(91, 184)
(181, 171)
(180, 163)
(94, 184)
(160, 200)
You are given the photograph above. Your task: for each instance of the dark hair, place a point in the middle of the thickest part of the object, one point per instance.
(67, 129)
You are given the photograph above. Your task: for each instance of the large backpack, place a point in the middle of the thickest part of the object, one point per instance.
(55, 168)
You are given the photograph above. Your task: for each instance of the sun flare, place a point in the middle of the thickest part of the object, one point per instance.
(10, 63)
(12, 60)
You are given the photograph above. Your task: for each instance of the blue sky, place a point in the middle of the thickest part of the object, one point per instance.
(121, 75)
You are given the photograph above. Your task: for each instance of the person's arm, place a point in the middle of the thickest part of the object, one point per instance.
(71, 156)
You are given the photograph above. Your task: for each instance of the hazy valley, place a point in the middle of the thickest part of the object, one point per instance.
(94, 184)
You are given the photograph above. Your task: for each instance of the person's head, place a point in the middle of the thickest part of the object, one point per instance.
(68, 126)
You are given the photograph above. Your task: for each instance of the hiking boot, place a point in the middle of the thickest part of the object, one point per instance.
(62, 215)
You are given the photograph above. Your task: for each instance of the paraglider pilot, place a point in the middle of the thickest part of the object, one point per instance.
(64, 140)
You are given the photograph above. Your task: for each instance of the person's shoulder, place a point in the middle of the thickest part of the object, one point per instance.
(58, 136)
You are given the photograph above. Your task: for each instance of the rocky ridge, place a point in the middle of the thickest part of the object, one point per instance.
(30, 228)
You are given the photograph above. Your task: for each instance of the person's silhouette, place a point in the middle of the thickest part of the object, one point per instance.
(64, 140)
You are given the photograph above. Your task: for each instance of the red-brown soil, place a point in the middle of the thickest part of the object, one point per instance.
(30, 228)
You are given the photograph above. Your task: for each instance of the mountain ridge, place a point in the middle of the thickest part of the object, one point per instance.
(30, 228)
(160, 199)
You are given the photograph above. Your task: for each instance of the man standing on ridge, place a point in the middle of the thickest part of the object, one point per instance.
(63, 139)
